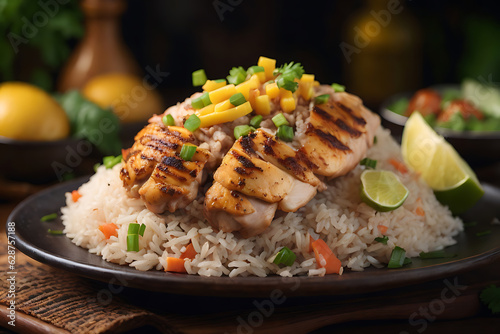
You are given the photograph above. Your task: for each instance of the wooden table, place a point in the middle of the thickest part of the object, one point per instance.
(412, 309)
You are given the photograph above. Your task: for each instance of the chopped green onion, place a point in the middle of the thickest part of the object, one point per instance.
(142, 229)
(237, 99)
(321, 99)
(255, 69)
(436, 255)
(287, 84)
(199, 78)
(192, 123)
(285, 133)
(46, 218)
(187, 152)
(374, 140)
(110, 161)
(471, 224)
(368, 163)
(133, 242)
(280, 120)
(382, 240)
(96, 166)
(197, 103)
(220, 80)
(407, 261)
(206, 99)
(55, 232)
(236, 75)
(242, 131)
(168, 120)
(285, 256)
(255, 121)
(133, 228)
(480, 234)
(397, 258)
(338, 88)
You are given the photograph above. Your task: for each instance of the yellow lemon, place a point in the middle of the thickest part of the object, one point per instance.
(29, 113)
(131, 98)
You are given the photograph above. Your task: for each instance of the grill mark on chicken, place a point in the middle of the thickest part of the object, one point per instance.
(303, 157)
(247, 144)
(338, 122)
(242, 171)
(326, 137)
(167, 171)
(246, 163)
(353, 132)
(359, 120)
(175, 163)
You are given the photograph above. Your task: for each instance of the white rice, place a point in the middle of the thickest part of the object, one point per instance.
(336, 215)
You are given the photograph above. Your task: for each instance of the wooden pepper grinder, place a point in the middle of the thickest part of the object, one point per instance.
(102, 49)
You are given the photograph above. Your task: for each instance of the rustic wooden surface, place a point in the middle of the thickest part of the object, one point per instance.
(55, 301)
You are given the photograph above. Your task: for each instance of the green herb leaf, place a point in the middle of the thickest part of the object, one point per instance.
(285, 256)
(368, 163)
(399, 107)
(47, 218)
(382, 240)
(110, 161)
(294, 69)
(491, 298)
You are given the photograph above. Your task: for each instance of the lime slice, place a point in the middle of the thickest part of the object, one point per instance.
(442, 168)
(382, 190)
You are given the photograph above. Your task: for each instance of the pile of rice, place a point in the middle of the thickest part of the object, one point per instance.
(336, 215)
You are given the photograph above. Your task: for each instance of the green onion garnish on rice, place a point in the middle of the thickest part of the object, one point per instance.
(321, 99)
(440, 254)
(285, 256)
(237, 99)
(192, 123)
(285, 133)
(470, 224)
(382, 240)
(480, 234)
(280, 120)
(110, 161)
(338, 88)
(142, 229)
(255, 121)
(368, 163)
(197, 103)
(168, 120)
(49, 217)
(398, 256)
(199, 78)
(133, 242)
(55, 232)
(133, 228)
(206, 99)
(242, 131)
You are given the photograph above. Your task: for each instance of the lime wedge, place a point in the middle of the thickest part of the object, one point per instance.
(442, 168)
(382, 190)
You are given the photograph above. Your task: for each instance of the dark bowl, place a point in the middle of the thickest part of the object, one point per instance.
(479, 148)
(42, 162)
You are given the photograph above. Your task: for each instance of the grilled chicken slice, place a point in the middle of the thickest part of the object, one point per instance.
(154, 171)
(231, 211)
(338, 134)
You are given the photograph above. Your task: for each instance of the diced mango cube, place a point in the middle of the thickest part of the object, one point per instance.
(207, 110)
(269, 66)
(222, 94)
(261, 76)
(224, 105)
(211, 85)
(285, 93)
(307, 78)
(244, 87)
(316, 83)
(272, 90)
(254, 93)
(228, 115)
(262, 105)
(287, 104)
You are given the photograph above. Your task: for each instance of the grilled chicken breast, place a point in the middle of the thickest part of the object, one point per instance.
(338, 135)
(154, 170)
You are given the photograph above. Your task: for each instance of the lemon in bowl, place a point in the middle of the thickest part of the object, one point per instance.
(454, 183)
(30, 114)
(130, 97)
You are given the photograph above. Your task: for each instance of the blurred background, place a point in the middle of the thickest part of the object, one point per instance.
(376, 48)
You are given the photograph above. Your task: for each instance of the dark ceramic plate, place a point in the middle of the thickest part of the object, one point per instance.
(58, 251)
(477, 147)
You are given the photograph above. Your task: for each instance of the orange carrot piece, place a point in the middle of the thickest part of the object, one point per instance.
(382, 229)
(75, 195)
(175, 265)
(311, 240)
(399, 166)
(325, 257)
(189, 253)
(109, 230)
(419, 211)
